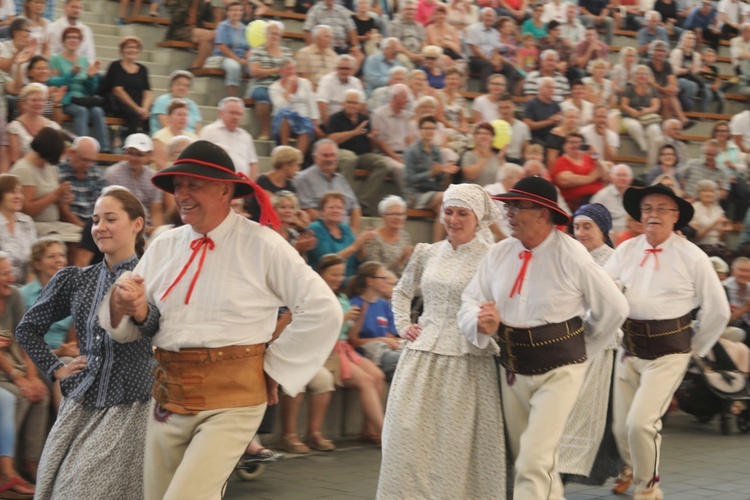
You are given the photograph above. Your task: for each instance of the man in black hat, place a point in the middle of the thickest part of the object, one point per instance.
(664, 277)
(209, 296)
(533, 289)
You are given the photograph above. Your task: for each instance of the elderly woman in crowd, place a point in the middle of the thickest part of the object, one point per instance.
(454, 112)
(432, 66)
(665, 82)
(17, 230)
(428, 105)
(19, 376)
(624, 71)
(178, 114)
(23, 129)
(417, 83)
(577, 100)
(577, 174)
(556, 137)
(710, 223)
(334, 235)
(21, 41)
(127, 80)
(441, 374)
(391, 244)
(686, 63)
(46, 200)
(640, 105)
(231, 49)
(36, 71)
(80, 76)
(442, 34)
(295, 108)
(666, 164)
(482, 164)
(598, 87)
(180, 82)
(265, 68)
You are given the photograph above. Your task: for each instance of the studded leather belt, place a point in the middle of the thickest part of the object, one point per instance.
(657, 338)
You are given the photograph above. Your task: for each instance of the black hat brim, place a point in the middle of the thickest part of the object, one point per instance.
(164, 179)
(633, 196)
(559, 217)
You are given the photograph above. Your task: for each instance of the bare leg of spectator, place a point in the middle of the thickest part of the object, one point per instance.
(285, 133)
(4, 159)
(205, 41)
(263, 112)
(303, 142)
(438, 230)
(318, 407)
(123, 11)
(289, 410)
(369, 397)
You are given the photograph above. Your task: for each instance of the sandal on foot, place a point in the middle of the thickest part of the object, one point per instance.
(623, 481)
(316, 441)
(292, 444)
(16, 489)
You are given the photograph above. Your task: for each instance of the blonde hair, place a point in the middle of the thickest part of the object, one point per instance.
(34, 88)
(284, 155)
(285, 195)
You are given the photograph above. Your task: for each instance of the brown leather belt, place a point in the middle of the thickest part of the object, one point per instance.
(533, 351)
(657, 338)
(195, 380)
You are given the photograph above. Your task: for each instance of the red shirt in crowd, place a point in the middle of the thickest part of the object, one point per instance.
(573, 195)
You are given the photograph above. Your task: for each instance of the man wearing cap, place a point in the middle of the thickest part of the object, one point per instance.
(134, 174)
(664, 277)
(533, 290)
(208, 293)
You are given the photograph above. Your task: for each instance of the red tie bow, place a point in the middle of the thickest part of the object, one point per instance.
(196, 245)
(654, 252)
(525, 255)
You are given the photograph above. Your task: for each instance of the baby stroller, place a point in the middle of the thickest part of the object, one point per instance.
(715, 386)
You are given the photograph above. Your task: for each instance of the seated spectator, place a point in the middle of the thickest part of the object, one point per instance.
(650, 32)
(484, 49)
(598, 14)
(417, 83)
(82, 82)
(424, 106)
(338, 19)
(624, 71)
(351, 130)
(598, 88)
(72, 10)
(454, 114)
(572, 30)
(186, 25)
(293, 222)
(666, 164)
(510, 44)
(590, 49)
(86, 182)
(482, 164)
(577, 175)
(621, 177)
(17, 230)
(542, 113)
(672, 135)
(709, 73)
(640, 107)
(227, 132)
(520, 132)
(7, 15)
(633, 228)
(710, 223)
(11, 482)
(381, 68)
(313, 183)
(703, 20)
(739, 298)
(556, 138)
(178, 115)
(442, 34)
(37, 71)
(180, 83)
(134, 174)
(391, 244)
(318, 59)
(514, 9)
(265, 66)
(425, 11)
(334, 235)
(23, 129)
(19, 376)
(127, 80)
(285, 162)
(535, 25)
(666, 83)
(563, 47)
(33, 11)
(686, 63)
(462, 14)
(554, 10)
(547, 69)
(411, 34)
(577, 100)
(507, 177)
(20, 42)
(390, 124)
(485, 107)
(705, 168)
(527, 55)
(377, 336)
(366, 25)
(601, 140)
(333, 87)
(46, 199)
(629, 14)
(432, 66)
(730, 156)
(360, 373)
(426, 175)
(231, 49)
(739, 50)
(295, 109)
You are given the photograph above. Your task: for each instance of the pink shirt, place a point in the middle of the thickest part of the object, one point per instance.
(424, 12)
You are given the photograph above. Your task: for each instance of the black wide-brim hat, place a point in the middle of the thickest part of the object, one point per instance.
(540, 191)
(205, 160)
(633, 196)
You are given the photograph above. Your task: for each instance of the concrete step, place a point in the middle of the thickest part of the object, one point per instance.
(87, 16)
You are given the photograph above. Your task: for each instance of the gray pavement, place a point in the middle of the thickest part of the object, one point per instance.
(698, 463)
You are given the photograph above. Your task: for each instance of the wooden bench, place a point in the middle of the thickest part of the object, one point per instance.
(109, 120)
(109, 158)
(634, 34)
(176, 44)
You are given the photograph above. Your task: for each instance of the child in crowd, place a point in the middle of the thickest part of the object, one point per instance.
(710, 74)
(528, 55)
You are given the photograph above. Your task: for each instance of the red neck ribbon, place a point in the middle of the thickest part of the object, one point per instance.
(205, 243)
(654, 252)
(525, 255)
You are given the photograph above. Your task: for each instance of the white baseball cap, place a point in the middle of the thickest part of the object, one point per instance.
(141, 142)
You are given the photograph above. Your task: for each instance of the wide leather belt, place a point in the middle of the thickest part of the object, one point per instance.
(533, 351)
(657, 338)
(195, 380)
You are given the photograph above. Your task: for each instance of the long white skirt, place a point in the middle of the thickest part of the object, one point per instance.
(444, 436)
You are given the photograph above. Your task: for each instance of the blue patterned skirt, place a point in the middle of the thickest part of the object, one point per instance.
(299, 124)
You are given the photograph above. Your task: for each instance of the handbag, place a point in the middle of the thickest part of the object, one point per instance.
(94, 101)
(650, 119)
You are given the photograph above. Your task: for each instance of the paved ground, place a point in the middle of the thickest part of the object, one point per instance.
(698, 463)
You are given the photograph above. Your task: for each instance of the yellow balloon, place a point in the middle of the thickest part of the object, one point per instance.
(503, 133)
(256, 33)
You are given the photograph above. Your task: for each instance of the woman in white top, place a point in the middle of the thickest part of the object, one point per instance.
(295, 110)
(33, 11)
(623, 72)
(23, 129)
(177, 121)
(709, 221)
(555, 10)
(578, 102)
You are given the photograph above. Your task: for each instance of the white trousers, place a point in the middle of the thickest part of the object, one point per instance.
(192, 456)
(536, 409)
(643, 389)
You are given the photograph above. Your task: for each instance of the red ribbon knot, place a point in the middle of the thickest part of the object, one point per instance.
(205, 243)
(524, 255)
(649, 252)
